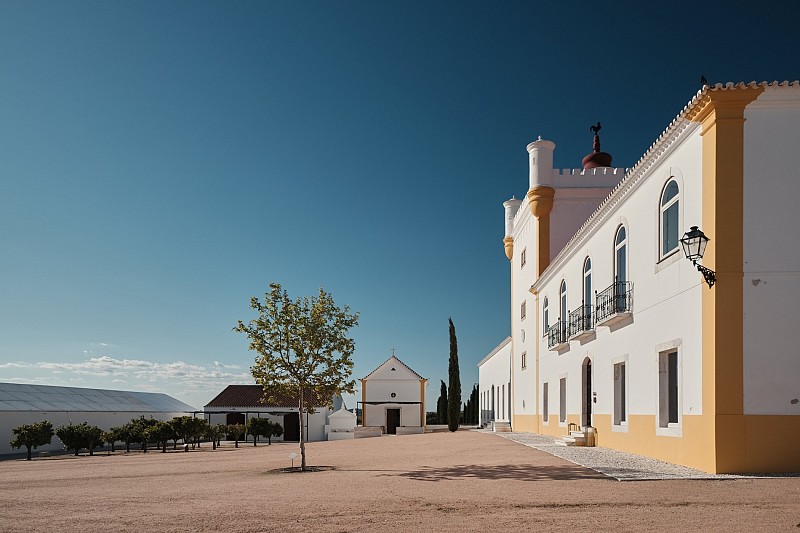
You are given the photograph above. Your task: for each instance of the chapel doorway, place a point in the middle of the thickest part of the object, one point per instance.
(392, 421)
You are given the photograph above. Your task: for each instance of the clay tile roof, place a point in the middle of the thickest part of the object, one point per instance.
(251, 395)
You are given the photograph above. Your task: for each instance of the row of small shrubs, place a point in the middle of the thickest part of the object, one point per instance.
(142, 431)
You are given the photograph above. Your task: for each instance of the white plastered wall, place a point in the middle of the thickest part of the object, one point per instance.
(667, 297)
(523, 331)
(771, 253)
(494, 375)
(405, 390)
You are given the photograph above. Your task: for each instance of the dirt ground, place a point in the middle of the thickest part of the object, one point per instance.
(464, 481)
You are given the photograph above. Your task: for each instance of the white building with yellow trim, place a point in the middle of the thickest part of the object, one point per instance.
(613, 328)
(393, 398)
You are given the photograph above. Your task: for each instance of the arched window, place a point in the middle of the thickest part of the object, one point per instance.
(587, 282)
(669, 218)
(546, 314)
(621, 256)
(563, 309)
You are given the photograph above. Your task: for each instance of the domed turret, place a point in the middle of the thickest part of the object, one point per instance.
(596, 158)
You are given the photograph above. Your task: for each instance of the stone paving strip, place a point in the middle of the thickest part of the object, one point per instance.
(621, 466)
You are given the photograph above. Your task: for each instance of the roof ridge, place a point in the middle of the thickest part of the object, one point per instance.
(399, 361)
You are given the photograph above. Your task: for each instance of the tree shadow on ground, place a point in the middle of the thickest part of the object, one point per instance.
(525, 472)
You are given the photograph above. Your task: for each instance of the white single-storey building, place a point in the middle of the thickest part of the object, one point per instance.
(22, 404)
(393, 397)
(238, 403)
(494, 378)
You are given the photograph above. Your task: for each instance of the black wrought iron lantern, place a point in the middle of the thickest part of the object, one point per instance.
(694, 244)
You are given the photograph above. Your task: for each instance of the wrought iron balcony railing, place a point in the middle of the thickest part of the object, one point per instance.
(557, 334)
(614, 302)
(580, 321)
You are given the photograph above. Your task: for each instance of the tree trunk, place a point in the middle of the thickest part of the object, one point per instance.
(30, 451)
(236, 443)
(164, 449)
(76, 451)
(302, 435)
(128, 446)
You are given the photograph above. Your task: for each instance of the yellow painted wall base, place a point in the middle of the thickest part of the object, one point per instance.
(525, 423)
(553, 428)
(694, 448)
(771, 444)
(764, 444)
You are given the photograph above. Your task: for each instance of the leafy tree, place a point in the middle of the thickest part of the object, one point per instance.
(111, 437)
(215, 432)
(125, 434)
(182, 426)
(258, 427)
(138, 428)
(238, 431)
(303, 347)
(441, 406)
(160, 433)
(32, 436)
(80, 436)
(273, 430)
(454, 390)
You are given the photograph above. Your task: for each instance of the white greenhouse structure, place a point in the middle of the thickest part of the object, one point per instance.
(22, 404)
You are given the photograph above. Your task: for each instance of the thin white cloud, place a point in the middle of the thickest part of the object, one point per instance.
(15, 365)
(144, 375)
(192, 383)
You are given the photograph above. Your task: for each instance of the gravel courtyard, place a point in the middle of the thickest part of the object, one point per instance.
(464, 481)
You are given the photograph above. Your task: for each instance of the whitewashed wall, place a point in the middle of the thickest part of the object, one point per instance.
(523, 330)
(667, 297)
(771, 253)
(405, 390)
(494, 376)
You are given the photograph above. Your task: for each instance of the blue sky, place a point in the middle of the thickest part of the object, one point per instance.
(162, 162)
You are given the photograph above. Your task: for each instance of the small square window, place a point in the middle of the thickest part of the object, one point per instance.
(524, 360)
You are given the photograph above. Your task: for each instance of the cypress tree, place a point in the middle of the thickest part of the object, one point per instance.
(475, 405)
(454, 390)
(441, 406)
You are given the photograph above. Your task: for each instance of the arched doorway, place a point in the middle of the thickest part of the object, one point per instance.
(586, 411)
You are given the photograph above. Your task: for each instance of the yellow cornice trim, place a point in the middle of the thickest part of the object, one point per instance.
(715, 106)
(508, 244)
(540, 200)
